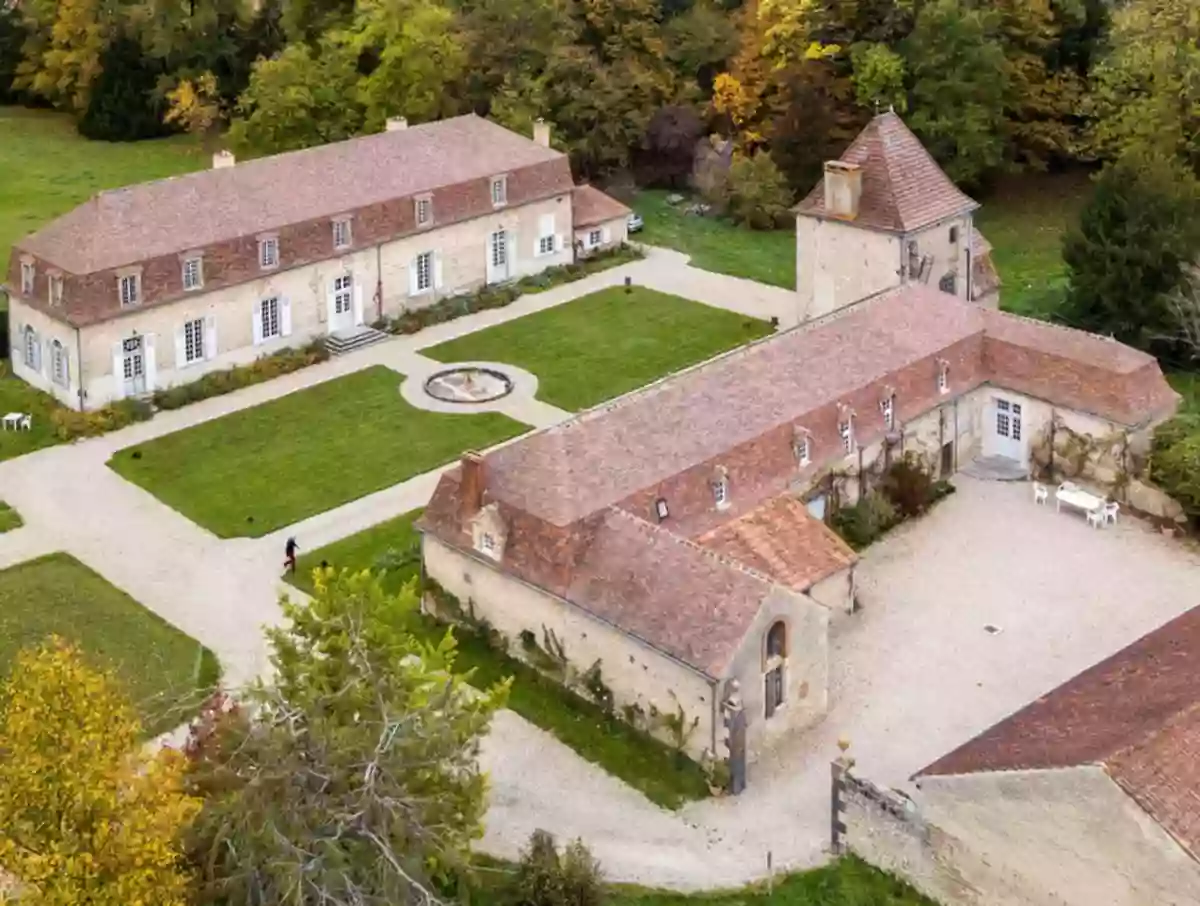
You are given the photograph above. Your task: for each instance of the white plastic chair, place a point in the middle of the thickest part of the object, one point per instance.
(1110, 512)
(1040, 493)
(1095, 517)
(26, 423)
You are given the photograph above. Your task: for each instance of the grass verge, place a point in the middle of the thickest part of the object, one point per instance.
(165, 671)
(606, 343)
(9, 518)
(259, 469)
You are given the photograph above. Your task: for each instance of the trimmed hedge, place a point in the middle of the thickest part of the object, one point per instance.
(218, 383)
(1175, 462)
(72, 425)
(506, 293)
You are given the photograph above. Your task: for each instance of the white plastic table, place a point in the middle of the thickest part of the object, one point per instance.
(1077, 498)
(13, 420)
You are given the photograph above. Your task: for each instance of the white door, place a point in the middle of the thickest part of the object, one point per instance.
(1008, 429)
(133, 366)
(497, 257)
(341, 303)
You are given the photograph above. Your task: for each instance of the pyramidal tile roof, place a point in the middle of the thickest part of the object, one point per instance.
(903, 188)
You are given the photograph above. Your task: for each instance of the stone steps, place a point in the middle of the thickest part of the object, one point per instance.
(346, 341)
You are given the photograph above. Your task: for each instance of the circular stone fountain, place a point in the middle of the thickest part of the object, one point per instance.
(468, 384)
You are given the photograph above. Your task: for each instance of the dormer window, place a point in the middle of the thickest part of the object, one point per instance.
(914, 260)
(488, 532)
(424, 211)
(268, 252)
(129, 288)
(887, 408)
(943, 376)
(846, 428)
(720, 488)
(487, 543)
(802, 446)
(193, 272)
(660, 509)
(954, 235)
(499, 191)
(27, 276)
(341, 233)
(56, 290)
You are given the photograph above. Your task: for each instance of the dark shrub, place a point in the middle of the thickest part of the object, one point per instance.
(909, 486)
(123, 105)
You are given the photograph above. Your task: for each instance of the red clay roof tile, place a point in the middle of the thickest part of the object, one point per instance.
(590, 206)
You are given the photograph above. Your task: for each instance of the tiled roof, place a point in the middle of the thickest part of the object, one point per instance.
(143, 221)
(781, 540)
(903, 188)
(608, 453)
(1137, 713)
(590, 206)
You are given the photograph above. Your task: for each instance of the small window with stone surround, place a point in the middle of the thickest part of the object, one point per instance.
(28, 274)
(56, 290)
(341, 233)
(268, 252)
(943, 376)
(720, 488)
(887, 409)
(193, 272)
(129, 289)
(846, 428)
(802, 446)
(774, 663)
(499, 191)
(424, 211)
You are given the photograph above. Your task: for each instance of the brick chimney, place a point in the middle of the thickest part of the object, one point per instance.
(223, 159)
(541, 132)
(396, 123)
(471, 485)
(843, 188)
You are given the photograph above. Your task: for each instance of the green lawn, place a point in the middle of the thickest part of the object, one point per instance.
(642, 762)
(848, 881)
(605, 343)
(9, 518)
(715, 244)
(162, 668)
(48, 168)
(1024, 218)
(17, 396)
(257, 470)
(1187, 384)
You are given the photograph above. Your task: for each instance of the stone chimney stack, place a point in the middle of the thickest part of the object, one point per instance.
(843, 188)
(223, 159)
(396, 123)
(471, 485)
(541, 132)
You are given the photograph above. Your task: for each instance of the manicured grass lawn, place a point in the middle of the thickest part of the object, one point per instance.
(165, 671)
(768, 256)
(605, 343)
(848, 881)
(9, 518)
(49, 168)
(1025, 218)
(257, 470)
(17, 396)
(642, 762)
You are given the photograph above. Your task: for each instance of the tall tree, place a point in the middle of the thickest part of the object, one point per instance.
(124, 104)
(699, 42)
(510, 40)
(85, 816)
(959, 79)
(1130, 251)
(1146, 89)
(355, 778)
(12, 38)
(62, 51)
(308, 20)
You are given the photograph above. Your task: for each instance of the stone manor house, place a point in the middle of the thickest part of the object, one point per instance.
(676, 536)
(152, 285)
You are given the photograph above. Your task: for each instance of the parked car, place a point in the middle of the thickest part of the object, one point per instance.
(634, 223)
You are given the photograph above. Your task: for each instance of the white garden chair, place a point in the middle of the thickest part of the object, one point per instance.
(1095, 517)
(1110, 512)
(1040, 493)
(26, 423)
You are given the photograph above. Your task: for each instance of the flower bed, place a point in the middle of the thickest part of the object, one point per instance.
(218, 383)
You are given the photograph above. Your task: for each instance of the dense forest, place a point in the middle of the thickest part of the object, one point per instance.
(630, 85)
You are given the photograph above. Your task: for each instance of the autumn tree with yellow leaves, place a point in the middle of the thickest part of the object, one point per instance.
(87, 815)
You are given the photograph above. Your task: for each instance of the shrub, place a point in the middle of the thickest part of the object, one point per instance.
(264, 368)
(72, 425)
(909, 486)
(866, 520)
(1175, 462)
(544, 878)
(755, 193)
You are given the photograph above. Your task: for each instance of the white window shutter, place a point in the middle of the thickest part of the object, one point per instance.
(437, 270)
(151, 362)
(210, 337)
(118, 357)
(510, 251)
(180, 349)
(558, 242)
(256, 324)
(37, 355)
(285, 316)
(605, 235)
(412, 277)
(358, 304)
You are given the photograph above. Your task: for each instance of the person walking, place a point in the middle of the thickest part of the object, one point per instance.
(289, 555)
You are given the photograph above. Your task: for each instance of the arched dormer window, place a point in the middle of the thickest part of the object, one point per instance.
(775, 652)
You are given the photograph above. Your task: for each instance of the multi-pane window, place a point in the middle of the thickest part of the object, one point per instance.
(193, 275)
(270, 318)
(488, 543)
(343, 294)
(58, 363)
(341, 234)
(424, 211)
(594, 238)
(499, 191)
(268, 252)
(56, 289)
(846, 431)
(424, 271)
(720, 492)
(31, 349)
(773, 691)
(546, 245)
(803, 453)
(130, 289)
(499, 249)
(193, 341)
(887, 407)
(943, 379)
(27, 275)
